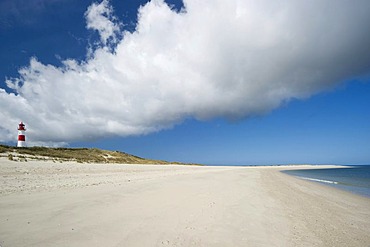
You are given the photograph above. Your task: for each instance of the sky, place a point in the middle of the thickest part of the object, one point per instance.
(238, 82)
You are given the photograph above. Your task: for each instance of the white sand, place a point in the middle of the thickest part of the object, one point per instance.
(70, 204)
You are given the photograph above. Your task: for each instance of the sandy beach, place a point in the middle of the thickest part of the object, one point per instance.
(43, 203)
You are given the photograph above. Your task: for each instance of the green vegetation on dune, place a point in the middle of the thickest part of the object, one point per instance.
(88, 155)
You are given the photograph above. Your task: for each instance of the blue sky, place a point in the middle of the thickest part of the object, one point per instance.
(329, 128)
(206, 83)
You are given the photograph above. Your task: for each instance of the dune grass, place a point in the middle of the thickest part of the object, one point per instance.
(83, 155)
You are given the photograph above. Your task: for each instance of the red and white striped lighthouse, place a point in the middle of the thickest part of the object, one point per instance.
(21, 135)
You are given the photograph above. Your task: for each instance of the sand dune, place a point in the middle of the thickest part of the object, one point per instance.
(70, 204)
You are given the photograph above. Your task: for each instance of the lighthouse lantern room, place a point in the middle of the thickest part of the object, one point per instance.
(21, 135)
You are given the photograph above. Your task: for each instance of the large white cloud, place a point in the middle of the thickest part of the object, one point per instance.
(214, 58)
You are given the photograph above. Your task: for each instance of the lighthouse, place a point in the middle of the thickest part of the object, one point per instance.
(21, 135)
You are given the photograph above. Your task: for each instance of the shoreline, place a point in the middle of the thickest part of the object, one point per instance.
(337, 177)
(73, 204)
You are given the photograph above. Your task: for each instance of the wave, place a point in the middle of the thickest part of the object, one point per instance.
(320, 180)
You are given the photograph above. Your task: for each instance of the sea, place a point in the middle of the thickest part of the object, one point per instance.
(355, 179)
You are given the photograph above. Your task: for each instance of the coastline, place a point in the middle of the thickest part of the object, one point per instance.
(72, 204)
(355, 179)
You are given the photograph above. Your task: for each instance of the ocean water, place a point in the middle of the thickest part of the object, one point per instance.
(355, 179)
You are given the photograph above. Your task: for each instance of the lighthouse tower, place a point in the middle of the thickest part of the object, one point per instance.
(21, 135)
